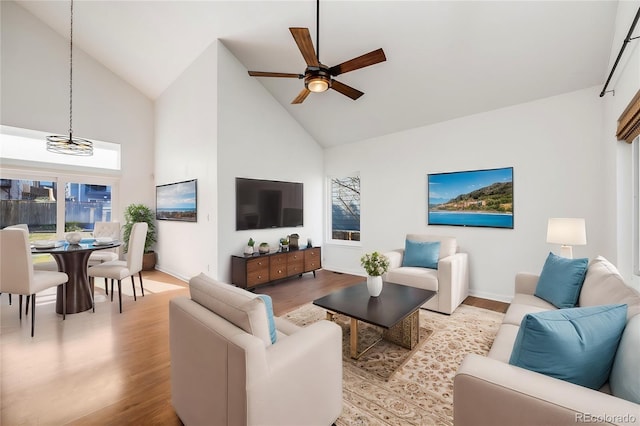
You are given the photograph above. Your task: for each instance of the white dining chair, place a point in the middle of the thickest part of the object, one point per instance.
(17, 275)
(109, 230)
(120, 269)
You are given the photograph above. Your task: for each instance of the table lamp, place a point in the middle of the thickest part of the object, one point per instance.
(567, 231)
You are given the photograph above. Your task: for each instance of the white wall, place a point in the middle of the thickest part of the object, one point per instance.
(617, 158)
(553, 145)
(257, 138)
(186, 148)
(35, 95)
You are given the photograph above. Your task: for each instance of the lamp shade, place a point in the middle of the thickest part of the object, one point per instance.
(567, 231)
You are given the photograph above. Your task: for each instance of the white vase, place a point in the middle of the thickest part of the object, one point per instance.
(248, 250)
(374, 285)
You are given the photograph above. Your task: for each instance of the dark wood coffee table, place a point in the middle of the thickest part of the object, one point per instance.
(395, 310)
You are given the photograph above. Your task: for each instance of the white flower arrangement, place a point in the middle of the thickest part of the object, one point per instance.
(375, 264)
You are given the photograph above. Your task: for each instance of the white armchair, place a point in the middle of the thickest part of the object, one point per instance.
(225, 370)
(450, 280)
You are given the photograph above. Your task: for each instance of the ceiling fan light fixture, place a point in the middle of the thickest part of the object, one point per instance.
(318, 84)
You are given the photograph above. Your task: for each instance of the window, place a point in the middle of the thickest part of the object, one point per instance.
(28, 146)
(345, 208)
(29, 201)
(85, 204)
(35, 203)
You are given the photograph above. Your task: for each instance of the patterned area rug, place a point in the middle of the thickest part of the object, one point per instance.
(420, 388)
(383, 359)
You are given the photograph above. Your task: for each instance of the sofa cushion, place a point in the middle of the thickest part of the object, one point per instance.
(422, 254)
(424, 278)
(517, 311)
(625, 379)
(561, 280)
(240, 307)
(448, 245)
(575, 344)
(603, 285)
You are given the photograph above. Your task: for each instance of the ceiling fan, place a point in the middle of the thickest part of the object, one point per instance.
(317, 76)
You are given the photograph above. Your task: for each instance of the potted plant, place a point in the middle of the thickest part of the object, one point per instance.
(375, 264)
(248, 250)
(264, 248)
(284, 244)
(141, 213)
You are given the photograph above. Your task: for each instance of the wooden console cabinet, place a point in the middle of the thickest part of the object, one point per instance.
(258, 269)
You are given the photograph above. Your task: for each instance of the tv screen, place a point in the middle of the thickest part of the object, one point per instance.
(177, 201)
(264, 204)
(481, 198)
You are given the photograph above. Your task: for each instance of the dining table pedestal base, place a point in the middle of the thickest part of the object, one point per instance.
(79, 294)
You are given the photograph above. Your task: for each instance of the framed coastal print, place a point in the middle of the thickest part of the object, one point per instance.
(177, 201)
(482, 198)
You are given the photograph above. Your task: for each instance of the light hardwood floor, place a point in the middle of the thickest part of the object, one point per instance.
(106, 368)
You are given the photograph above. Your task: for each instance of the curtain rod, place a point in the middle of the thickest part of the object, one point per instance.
(624, 45)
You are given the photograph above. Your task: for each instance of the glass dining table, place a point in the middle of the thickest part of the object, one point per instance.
(73, 259)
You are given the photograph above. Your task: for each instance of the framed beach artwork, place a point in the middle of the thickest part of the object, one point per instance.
(482, 198)
(177, 201)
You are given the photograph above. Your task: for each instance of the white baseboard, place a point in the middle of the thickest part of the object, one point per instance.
(343, 271)
(491, 296)
(172, 273)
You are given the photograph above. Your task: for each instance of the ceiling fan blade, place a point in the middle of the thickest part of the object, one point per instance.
(346, 90)
(301, 96)
(274, 74)
(365, 60)
(303, 40)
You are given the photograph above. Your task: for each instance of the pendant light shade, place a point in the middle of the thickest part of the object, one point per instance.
(68, 144)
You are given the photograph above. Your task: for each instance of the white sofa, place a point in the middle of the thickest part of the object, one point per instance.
(490, 391)
(450, 280)
(226, 371)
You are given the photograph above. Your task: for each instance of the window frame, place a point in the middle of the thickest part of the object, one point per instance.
(61, 180)
(329, 210)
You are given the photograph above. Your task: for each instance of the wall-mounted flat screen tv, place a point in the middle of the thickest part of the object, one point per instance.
(177, 201)
(264, 204)
(481, 198)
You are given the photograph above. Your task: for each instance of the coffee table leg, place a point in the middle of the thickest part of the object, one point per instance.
(330, 316)
(406, 332)
(354, 338)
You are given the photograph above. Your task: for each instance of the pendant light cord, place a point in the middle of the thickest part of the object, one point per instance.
(71, 76)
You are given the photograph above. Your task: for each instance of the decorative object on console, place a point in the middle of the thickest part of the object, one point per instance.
(68, 144)
(567, 231)
(264, 248)
(481, 198)
(375, 264)
(284, 244)
(177, 201)
(293, 241)
(249, 247)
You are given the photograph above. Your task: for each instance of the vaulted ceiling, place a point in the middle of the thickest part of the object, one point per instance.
(445, 59)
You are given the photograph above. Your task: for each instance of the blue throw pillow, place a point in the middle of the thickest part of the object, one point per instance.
(561, 280)
(421, 253)
(268, 303)
(576, 344)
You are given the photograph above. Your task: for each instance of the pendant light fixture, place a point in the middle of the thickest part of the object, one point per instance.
(68, 144)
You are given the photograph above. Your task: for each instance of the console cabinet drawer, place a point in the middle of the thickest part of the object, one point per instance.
(257, 271)
(278, 266)
(295, 262)
(312, 260)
